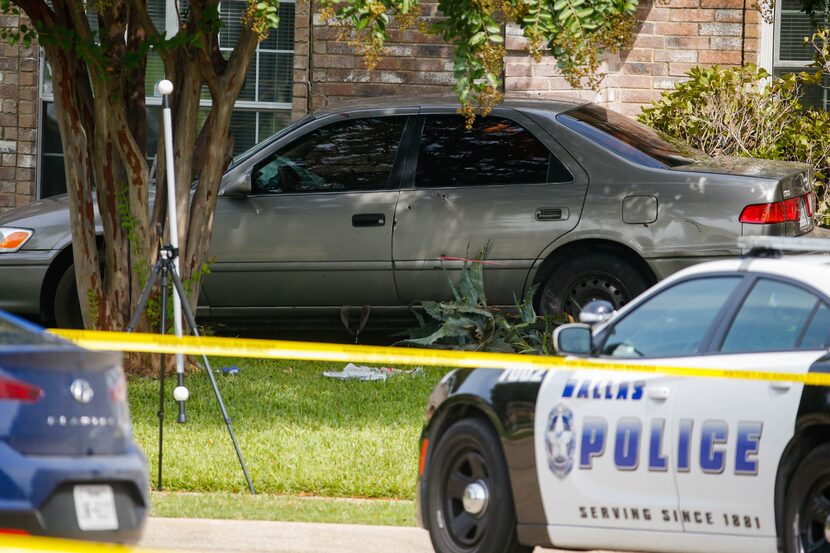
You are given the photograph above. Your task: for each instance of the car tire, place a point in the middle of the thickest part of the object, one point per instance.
(469, 453)
(67, 309)
(807, 510)
(595, 276)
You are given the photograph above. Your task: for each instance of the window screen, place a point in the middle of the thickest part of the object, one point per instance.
(792, 54)
(348, 155)
(494, 151)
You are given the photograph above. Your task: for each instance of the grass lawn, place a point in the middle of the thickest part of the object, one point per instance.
(300, 433)
(243, 506)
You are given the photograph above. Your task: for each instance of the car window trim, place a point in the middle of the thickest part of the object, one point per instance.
(412, 160)
(606, 332)
(726, 317)
(395, 174)
(720, 338)
(807, 324)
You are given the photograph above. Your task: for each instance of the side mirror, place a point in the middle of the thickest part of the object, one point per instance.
(573, 338)
(596, 311)
(239, 187)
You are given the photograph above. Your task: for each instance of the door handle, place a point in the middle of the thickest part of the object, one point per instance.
(552, 214)
(781, 386)
(368, 220)
(658, 393)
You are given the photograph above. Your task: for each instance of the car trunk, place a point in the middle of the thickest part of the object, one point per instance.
(63, 401)
(789, 207)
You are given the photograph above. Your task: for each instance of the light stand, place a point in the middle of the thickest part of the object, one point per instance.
(167, 265)
(165, 87)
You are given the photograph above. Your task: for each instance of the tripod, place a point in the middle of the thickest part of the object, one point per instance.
(166, 268)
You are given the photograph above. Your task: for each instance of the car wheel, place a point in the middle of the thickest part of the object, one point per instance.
(67, 309)
(470, 503)
(590, 277)
(807, 511)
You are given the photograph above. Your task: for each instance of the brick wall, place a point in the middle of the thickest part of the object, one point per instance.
(412, 64)
(18, 121)
(672, 38)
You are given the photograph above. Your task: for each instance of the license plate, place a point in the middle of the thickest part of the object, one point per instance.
(95, 507)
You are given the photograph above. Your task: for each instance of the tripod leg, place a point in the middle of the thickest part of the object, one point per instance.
(145, 295)
(191, 321)
(162, 370)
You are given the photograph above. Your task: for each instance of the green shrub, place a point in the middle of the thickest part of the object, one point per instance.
(467, 322)
(745, 112)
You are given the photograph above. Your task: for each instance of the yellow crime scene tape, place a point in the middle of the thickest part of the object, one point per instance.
(11, 543)
(280, 349)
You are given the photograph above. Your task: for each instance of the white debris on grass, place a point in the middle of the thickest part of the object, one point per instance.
(360, 372)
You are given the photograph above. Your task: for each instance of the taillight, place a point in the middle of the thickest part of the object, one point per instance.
(14, 531)
(19, 391)
(811, 204)
(776, 212)
(118, 389)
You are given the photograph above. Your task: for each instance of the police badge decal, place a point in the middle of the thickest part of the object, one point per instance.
(560, 441)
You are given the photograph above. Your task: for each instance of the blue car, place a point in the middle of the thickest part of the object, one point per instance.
(68, 464)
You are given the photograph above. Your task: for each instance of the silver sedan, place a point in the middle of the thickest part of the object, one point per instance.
(364, 205)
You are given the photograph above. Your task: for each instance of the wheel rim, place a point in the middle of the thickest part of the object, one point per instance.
(589, 287)
(813, 522)
(467, 498)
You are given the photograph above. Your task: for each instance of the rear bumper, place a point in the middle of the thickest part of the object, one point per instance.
(36, 493)
(21, 280)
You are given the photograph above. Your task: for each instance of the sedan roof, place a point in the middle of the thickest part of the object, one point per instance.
(553, 105)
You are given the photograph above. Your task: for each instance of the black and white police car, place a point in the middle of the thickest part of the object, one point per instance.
(643, 461)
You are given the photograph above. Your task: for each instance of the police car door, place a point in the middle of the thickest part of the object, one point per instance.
(607, 441)
(734, 431)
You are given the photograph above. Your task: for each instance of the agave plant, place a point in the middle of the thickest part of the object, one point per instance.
(467, 322)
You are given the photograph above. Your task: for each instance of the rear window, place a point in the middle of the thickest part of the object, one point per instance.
(629, 139)
(24, 333)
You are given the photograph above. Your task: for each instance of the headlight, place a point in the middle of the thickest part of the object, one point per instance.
(12, 239)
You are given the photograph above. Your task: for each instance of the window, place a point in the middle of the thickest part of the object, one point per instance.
(791, 54)
(817, 333)
(494, 151)
(774, 317)
(263, 107)
(672, 323)
(628, 139)
(349, 155)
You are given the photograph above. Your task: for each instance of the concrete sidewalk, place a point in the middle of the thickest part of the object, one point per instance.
(255, 536)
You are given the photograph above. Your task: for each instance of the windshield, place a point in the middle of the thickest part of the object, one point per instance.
(631, 140)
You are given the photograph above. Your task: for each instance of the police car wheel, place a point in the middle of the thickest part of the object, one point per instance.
(807, 511)
(469, 502)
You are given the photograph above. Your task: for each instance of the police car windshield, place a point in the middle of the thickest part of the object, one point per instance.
(629, 139)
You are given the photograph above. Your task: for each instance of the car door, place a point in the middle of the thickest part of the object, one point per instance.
(504, 184)
(316, 229)
(606, 441)
(739, 428)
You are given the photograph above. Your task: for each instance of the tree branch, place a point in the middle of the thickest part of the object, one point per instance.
(39, 12)
(233, 78)
(139, 10)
